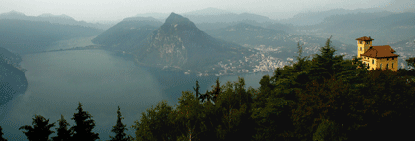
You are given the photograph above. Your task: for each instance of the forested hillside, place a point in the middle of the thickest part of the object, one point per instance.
(12, 78)
(320, 98)
(128, 33)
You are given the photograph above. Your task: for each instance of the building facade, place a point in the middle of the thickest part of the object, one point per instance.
(376, 57)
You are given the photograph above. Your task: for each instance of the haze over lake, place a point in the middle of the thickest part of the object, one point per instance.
(101, 81)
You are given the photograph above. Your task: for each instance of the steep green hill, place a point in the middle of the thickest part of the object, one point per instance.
(12, 77)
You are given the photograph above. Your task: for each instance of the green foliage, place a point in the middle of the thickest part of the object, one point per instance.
(84, 125)
(188, 117)
(379, 104)
(319, 102)
(63, 133)
(40, 130)
(156, 124)
(119, 129)
(211, 96)
(1, 135)
(411, 62)
(327, 131)
(234, 104)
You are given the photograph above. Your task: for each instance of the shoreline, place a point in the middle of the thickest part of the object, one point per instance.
(130, 57)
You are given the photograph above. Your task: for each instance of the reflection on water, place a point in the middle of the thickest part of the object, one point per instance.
(101, 81)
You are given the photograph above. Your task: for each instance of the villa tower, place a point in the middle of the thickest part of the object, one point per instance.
(376, 57)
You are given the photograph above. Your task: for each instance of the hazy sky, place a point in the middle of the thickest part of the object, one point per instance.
(97, 10)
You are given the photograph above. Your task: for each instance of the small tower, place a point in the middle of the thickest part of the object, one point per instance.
(363, 44)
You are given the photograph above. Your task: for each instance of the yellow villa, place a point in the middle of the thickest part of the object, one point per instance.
(376, 57)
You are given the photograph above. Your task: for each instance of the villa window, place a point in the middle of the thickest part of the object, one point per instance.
(387, 66)
(373, 61)
(393, 58)
(387, 59)
(392, 65)
(360, 48)
(380, 67)
(360, 42)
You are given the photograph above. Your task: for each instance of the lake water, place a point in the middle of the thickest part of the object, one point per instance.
(101, 81)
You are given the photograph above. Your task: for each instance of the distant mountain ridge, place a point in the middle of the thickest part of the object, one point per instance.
(24, 36)
(212, 15)
(387, 28)
(312, 18)
(59, 19)
(208, 11)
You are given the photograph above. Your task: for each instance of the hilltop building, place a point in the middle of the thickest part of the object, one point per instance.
(376, 57)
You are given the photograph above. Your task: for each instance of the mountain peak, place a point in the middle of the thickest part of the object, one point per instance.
(177, 20)
(14, 13)
(173, 18)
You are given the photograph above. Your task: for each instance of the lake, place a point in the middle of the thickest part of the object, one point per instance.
(101, 81)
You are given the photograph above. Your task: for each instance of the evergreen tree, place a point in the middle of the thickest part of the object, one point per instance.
(84, 125)
(1, 135)
(119, 128)
(325, 64)
(197, 90)
(410, 62)
(216, 91)
(40, 130)
(207, 96)
(63, 133)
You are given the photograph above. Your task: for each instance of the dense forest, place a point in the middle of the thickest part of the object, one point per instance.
(320, 98)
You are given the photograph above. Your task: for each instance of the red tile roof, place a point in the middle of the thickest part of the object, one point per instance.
(380, 51)
(364, 38)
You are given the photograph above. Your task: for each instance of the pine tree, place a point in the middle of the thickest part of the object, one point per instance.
(197, 90)
(40, 130)
(325, 64)
(216, 90)
(82, 129)
(410, 62)
(63, 133)
(1, 135)
(119, 128)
